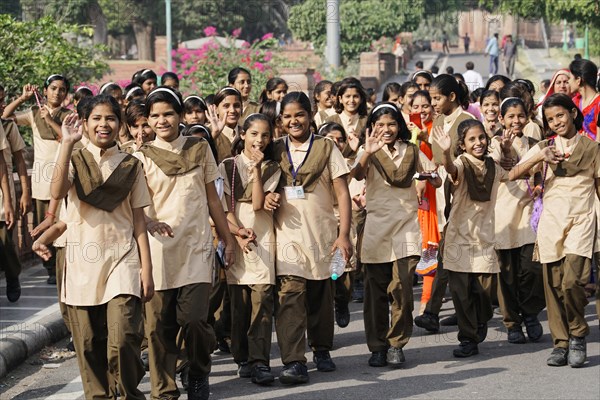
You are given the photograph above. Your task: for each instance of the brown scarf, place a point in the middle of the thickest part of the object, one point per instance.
(479, 186)
(244, 194)
(45, 130)
(347, 151)
(92, 189)
(223, 145)
(582, 158)
(192, 155)
(402, 176)
(309, 173)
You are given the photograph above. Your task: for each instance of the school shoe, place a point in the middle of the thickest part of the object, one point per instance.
(577, 352)
(223, 345)
(198, 388)
(13, 289)
(452, 320)
(482, 330)
(395, 357)
(293, 373)
(533, 327)
(378, 359)
(323, 361)
(429, 322)
(70, 346)
(261, 374)
(244, 370)
(358, 291)
(342, 315)
(558, 357)
(51, 280)
(516, 336)
(145, 360)
(466, 349)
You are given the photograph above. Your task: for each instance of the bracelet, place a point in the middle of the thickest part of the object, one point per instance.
(49, 214)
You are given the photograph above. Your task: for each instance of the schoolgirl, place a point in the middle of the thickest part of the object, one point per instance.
(490, 110)
(519, 90)
(497, 82)
(223, 117)
(323, 98)
(170, 79)
(146, 79)
(241, 79)
(570, 167)
(584, 76)
(423, 79)
(134, 93)
(391, 93)
(275, 89)
(194, 110)
(391, 244)
(406, 92)
(81, 93)
(137, 124)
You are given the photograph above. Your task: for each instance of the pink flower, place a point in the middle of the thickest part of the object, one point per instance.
(245, 45)
(268, 56)
(236, 32)
(259, 66)
(173, 65)
(267, 36)
(193, 69)
(210, 31)
(186, 57)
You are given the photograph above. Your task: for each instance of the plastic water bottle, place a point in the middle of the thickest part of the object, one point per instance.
(338, 264)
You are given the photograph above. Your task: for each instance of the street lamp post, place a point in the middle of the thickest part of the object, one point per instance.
(169, 35)
(333, 33)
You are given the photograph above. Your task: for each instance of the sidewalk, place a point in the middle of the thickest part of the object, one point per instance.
(429, 59)
(31, 323)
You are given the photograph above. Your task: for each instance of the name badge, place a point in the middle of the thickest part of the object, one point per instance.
(294, 192)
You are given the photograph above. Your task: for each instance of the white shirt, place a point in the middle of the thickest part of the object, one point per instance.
(473, 79)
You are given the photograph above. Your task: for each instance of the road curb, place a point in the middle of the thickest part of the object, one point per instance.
(24, 341)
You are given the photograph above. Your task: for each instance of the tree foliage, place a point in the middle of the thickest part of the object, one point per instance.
(361, 22)
(31, 51)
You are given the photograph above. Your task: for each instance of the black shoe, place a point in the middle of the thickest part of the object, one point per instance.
(244, 370)
(449, 321)
(482, 330)
(533, 327)
(577, 352)
(342, 315)
(323, 361)
(378, 359)
(184, 377)
(466, 349)
(395, 357)
(558, 357)
(51, 280)
(293, 373)
(198, 388)
(70, 346)
(145, 361)
(223, 345)
(13, 290)
(427, 321)
(516, 336)
(358, 291)
(261, 374)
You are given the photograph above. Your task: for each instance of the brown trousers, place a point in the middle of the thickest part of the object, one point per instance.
(168, 311)
(472, 298)
(343, 288)
(252, 323)
(597, 255)
(219, 312)
(60, 271)
(521, 285)
(107, 341)
(564, 283)
(8, 257)
(41, 206)
(303, 306)
(389, 283)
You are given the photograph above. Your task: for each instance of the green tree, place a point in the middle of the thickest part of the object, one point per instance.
(31, 51)
(361, 22)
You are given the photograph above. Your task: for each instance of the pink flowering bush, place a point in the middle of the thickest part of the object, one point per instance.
(204, 70)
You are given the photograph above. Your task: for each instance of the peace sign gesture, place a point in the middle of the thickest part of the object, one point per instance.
(373, 141)
(216, 124)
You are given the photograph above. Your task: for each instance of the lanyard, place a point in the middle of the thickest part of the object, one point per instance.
(294, 171)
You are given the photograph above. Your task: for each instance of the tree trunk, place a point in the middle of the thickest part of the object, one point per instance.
(144, 37)
(98, 20)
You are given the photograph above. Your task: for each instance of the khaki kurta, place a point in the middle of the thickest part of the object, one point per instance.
(102, 259)
(533, 130)
(44, 153)
(306, 228)
(470, 233)
(568, 221)
(13, 143)
(258, 266)
(392, 227)
(514, 204)
(180, 201)
(320, 121)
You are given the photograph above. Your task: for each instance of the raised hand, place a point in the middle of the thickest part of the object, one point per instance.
(506, 140)
(28, 91)
(70, 129)
(441, 138)
(216, 124)
(353, 140)
(373, 141)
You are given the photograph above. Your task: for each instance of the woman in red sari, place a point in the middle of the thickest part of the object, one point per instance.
(584, 75)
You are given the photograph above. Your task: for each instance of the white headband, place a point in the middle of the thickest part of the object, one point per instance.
(229, 88)
(384, 105)
(132, 91)
(510, 98)
(54, 75)
(201, 127)
(146, 70)
(172, 93)
(81, 88)
(421, 72)
(103, 88)
(195, 97)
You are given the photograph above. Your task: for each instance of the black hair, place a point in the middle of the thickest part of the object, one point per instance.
(169, 75)
(193, 101)
(476, 94)
(435, 69)
(459, 76)
(209, 99)
(164, 94)
(134, 111)
(449, 70)
(109, 88)
(390, 88)
(462, 130)
(83, 105)
(564, 101)
(143, 75)
(190, 130)
(505, 80)
(238, 143)
(406, 86)
(270, 86)
(57, 77)
(233, 74)
(224, 92)
(90, 104)
(352, 83)
(466, 100)
(488, 93)
(297, 97)
(134, 91)
(515, 89)
(527, 84)
(392, 110)
(320, 88)
(421, 93)
(330, 127)
(586, 70)
(422, 73)
(419, 64)
(545, 82)
(269, 109)
(469, 65)
(512, 102)
(369, 92)
(81, 93)
(447, 84)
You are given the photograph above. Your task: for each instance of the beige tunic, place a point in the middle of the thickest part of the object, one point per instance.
(568, 221)
(533, 130)
(514, 203)
(470, 232)
(306, 228)
(14, 142)
(318, 120)
(392, 226)
(180, 201)
(258, 266)
(102, 259)
(44, 152)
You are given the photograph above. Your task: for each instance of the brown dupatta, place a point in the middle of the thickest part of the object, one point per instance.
(191, 156)
(582, 158)
(241, 193)
(45, 130)
(479, 186)
(402, 176)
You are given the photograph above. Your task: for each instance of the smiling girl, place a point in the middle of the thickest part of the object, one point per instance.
(323, 98)
(223, 116)
(241, 79)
